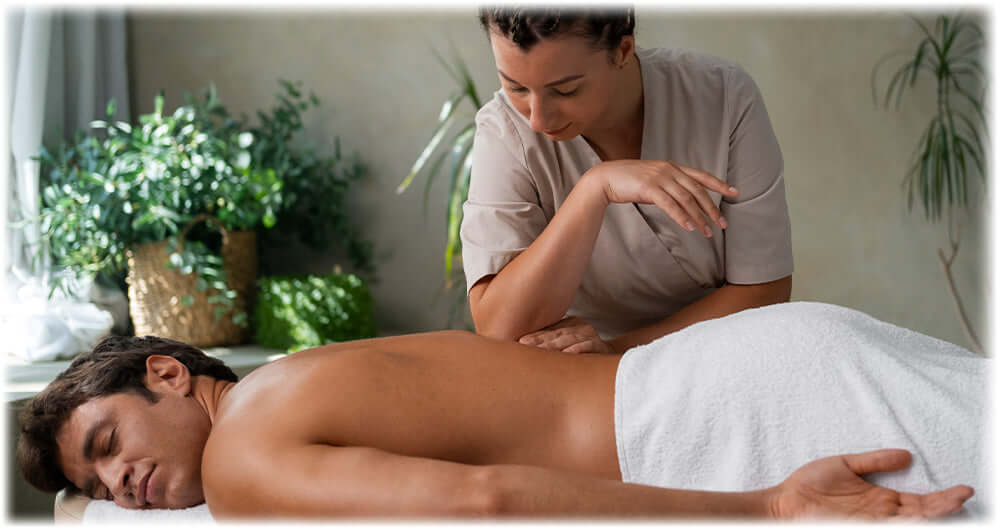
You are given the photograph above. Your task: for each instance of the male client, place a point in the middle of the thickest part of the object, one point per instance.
(453, 424)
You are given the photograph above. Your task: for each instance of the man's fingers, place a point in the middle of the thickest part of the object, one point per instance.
(935, 504)
(887, 460)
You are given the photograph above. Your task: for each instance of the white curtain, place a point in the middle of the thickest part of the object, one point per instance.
(63, 67)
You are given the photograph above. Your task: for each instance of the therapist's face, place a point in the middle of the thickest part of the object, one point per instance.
(562, 86)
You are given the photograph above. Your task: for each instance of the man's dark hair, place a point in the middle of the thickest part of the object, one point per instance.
(116, 365)
(604, 27)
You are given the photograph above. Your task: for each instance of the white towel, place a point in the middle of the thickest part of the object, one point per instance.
(105, 512)
(739, 402)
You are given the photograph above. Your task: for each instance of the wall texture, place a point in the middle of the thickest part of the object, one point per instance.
(855, 244)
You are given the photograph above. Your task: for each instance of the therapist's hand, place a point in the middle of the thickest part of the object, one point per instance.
(832, 487)
(570, 335)
(681, 192)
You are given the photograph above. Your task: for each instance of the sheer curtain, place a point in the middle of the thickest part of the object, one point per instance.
(63, 67)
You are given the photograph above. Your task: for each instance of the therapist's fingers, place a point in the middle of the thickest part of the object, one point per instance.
(572, 321)
(664, 201)
(593, 345)
(687, 200)
(560, 341)
(704, 200)
(708, 180)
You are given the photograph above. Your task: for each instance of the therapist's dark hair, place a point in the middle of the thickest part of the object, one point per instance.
(116, 365)
(603, 27)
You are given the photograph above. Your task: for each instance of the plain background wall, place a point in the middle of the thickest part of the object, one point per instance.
(381, 88)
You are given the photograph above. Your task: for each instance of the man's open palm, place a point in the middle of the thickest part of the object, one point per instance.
(832, 487)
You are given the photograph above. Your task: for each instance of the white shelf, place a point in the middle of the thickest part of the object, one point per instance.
(25, 380)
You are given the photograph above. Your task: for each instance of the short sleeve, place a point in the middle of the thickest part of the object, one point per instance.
(758, 238)
(502, 215)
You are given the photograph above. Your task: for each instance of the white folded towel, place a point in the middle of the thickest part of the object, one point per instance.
(104, 512)
(739, 402)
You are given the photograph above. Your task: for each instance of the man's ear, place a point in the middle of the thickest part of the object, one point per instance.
(167, 374)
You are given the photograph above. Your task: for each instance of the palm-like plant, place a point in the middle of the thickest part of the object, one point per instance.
(951, 147)
(457, 152)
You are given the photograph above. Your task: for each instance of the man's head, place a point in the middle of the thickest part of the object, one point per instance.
(119, 422)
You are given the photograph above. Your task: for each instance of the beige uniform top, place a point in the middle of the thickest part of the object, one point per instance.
(699, 111)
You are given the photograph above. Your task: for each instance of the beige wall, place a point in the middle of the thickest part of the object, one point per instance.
(854, 242)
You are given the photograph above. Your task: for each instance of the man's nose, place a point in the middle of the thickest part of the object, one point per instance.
(117, 476)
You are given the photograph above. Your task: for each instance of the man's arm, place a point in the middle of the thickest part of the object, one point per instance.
(325, 481)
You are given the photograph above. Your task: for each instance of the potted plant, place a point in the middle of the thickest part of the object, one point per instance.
(149, 199)
(950, 151)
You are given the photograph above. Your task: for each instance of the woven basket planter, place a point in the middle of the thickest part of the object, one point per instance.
(156, 292)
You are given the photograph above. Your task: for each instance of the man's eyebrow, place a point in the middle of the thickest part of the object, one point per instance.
(566, 79)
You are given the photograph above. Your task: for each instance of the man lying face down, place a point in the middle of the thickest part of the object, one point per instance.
(454, 424)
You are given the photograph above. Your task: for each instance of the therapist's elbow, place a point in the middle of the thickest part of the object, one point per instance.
(495, 327)
(490, 320)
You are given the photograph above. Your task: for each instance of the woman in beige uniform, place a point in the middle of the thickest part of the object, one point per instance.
(618, 194)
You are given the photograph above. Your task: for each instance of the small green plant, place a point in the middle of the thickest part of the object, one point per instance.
(951, 147)
(297, 312)
(457, 152)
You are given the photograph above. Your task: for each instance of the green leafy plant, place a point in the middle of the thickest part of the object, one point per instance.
(951, 147)
(314, 197)
(104, 194)
(297, 312)
(457, 153)
(124, 185)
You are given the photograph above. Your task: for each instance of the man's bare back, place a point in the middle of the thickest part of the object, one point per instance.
(450, 396)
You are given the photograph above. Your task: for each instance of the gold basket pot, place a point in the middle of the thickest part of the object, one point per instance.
(156, 292)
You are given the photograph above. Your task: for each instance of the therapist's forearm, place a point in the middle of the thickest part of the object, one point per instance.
(727, 299)
(537, 287)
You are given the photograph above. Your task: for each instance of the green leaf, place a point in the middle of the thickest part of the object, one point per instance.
(428, 150)
(458, 198)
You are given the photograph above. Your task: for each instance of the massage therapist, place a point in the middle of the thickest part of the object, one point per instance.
(618, 194)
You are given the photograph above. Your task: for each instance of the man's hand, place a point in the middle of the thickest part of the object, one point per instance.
(832, 487)
(570, 335)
